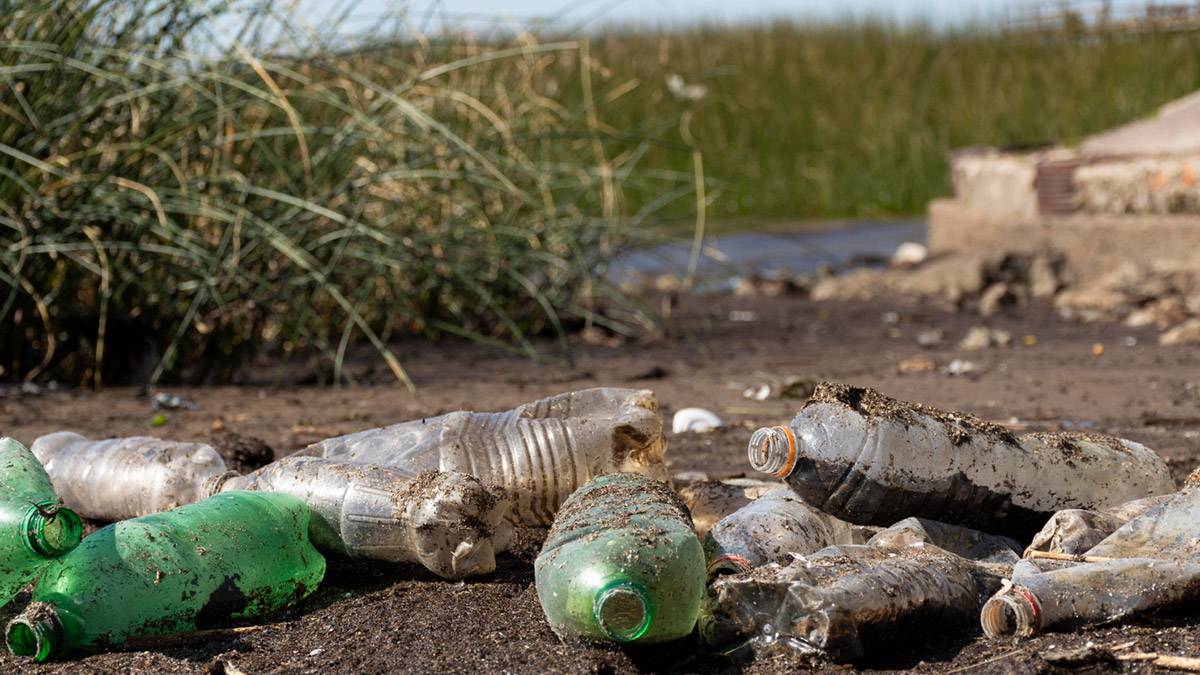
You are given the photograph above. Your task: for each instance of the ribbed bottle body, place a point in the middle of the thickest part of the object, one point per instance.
(120, 478)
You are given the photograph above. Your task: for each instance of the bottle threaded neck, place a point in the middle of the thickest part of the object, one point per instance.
(623, 611)
(1014, 612)
(51, 529)
(37, 636)
(772, 450)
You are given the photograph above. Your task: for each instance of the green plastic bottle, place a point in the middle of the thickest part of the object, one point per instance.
(622, 563)
(235, 554)
(34, 527)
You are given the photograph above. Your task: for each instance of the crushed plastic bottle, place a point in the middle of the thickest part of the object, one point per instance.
(539, 452)
(122, 478)
(622, 563)
(1001, 553)
(447, 521)
(1151, 562)
(1074, 531)
(773, 528)
(34, 527)
(844, 602)
(708, 501)
(870, 459)
(237, 554)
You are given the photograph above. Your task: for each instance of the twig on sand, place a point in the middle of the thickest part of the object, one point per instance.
(144, 642)
(1190, 664)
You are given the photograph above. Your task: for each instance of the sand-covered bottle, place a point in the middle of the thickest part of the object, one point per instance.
(622, 563)
(237, 554)
(870, 459)
(773, 528)
(34, 527)
(447, 521)
(539, 452)
(119, 478)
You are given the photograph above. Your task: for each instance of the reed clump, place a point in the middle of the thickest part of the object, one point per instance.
(186, 185)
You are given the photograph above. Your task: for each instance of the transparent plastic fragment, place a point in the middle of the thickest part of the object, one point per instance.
(539, 452)
(871, 459)
(120, 478)
(447, 521)
(708, 501)
(1075, 531)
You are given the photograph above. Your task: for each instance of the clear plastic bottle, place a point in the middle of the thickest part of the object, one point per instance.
(1151, 562)
(773, 528)
(622, 563)
(34, 527)
(236, 554)
(447, 521)
(870, 459)
(540, 452)
(122, 478)
(844, 602)
(708, 501)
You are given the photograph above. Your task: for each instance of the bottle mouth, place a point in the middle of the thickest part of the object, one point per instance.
(623, 611)
(728, 564)
(1014, 612)
(51, 529)
(773, 450)
(33, 636)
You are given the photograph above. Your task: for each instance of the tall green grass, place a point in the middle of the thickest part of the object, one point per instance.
(856, 120)
(172, 206)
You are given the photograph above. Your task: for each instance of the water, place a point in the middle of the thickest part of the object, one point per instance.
(770, 253)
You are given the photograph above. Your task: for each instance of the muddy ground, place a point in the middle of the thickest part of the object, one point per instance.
(1101, 377)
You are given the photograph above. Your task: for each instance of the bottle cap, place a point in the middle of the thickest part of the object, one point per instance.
(623, 611)
(773, 450)
(37, 632)
(51, 529)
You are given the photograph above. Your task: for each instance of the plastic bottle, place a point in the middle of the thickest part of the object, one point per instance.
(1074, 531)
(1151, 562)
(622, 563)
(122, 478)
(708, 501)
(844, 602)
(34, 527)
(872, 460)
(236, 554)
(447, 521)
(540, 452)
(773, 528)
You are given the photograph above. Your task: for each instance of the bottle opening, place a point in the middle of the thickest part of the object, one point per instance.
(1012, 614)
(772, 450)
(623, 611)
(51, 529)
(727, 564)
(30, 637)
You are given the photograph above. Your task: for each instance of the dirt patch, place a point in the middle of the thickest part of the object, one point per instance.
(375, 618)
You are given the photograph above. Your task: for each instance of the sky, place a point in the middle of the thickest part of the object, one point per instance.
(663, 12)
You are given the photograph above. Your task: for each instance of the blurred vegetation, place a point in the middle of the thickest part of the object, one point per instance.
(823, 121)
(169, 214)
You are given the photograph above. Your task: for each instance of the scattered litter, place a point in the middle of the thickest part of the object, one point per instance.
(165, 401)
(317, 652)
(931, 337)
(758, 393)
(910, 254)
(982, 337)
(915, 364)
(743, 315)
(961, 367)
(158, 420)
(695, 419)
(622, 563)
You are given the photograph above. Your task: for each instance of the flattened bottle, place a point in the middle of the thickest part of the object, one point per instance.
(622, 563)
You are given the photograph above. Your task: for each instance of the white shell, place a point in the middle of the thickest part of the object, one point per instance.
(909, 253)
(695, 419)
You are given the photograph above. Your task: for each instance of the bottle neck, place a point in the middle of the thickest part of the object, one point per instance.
(50, 529)
(36, 633)
(773, 450)
(623, 610)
